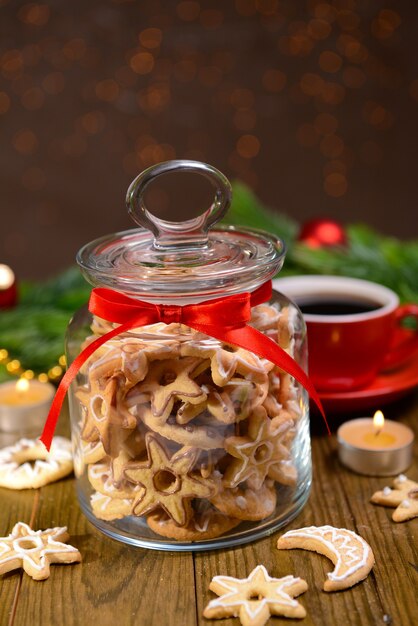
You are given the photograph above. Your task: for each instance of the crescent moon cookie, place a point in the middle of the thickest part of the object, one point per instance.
(28, 465)
(35, 550)
(404, 497)
(352, 556)
(254, 599)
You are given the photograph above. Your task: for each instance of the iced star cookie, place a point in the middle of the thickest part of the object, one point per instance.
(256, 598)
(404, 497)
(36, 550)
(28, 465)
(352, 556)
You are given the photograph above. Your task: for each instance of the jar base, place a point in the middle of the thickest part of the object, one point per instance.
(135, 531)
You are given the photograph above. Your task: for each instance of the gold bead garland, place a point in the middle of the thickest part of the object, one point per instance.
(14, 367)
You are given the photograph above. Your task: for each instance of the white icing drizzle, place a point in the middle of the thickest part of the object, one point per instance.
(202, 525)
(387, 491)
(405, 504)
(351, 547)
(402, 478)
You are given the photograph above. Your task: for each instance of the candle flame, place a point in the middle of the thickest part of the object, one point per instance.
(378, 421)
(22, 385)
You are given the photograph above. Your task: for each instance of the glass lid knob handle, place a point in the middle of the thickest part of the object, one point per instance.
(192, 232)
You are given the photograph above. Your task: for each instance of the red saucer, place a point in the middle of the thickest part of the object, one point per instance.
(388, 386)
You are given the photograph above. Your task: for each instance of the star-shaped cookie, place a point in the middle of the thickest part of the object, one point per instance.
(36, 550)
(404, 497)
(171, 380)
(256, 598)
(261, 453)
(167, 481)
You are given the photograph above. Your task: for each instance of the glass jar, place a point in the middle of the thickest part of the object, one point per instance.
(183, 441)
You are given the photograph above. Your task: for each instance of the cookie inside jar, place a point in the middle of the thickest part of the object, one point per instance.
(194, 437)
(189, 432)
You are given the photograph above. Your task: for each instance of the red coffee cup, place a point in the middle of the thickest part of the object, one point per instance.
(354, 329)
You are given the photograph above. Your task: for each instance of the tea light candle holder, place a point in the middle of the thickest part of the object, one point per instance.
(375, 446)
(24, 405)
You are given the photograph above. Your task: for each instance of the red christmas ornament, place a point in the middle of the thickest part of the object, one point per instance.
(8, 287)
(320, 233)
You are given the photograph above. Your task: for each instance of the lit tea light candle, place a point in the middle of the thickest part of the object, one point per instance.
(8, 288)
(375, 447)
(24, 405)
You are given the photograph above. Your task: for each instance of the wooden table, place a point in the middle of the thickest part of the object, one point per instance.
(121, 585)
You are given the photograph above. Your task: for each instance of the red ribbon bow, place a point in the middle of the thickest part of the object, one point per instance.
(223, 318)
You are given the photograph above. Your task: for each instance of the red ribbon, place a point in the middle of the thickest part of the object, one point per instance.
(223, 318)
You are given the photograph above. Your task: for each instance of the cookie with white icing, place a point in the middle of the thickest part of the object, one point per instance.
(352, 556)
(256, 598)
(107, 508)
(35, 550)
(28, 465)
(403, 496)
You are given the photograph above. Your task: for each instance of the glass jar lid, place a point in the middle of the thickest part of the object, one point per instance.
(164, 260)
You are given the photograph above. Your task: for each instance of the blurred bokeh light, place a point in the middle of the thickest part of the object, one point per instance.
(311, 103)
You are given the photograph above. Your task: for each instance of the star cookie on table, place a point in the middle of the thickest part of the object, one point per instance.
(256, 598)
(167, 481)
(36, 550)
(404, 496)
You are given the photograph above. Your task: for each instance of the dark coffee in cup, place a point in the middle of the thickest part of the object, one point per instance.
(336, 307)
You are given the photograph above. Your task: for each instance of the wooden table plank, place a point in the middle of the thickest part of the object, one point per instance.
(121, 584)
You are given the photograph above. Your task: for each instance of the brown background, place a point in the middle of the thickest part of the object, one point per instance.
(312, 103)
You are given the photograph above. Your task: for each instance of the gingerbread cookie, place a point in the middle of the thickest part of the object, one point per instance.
(404, 496)
(28, 465)
(36, 550)
(87, 452)
(107, 508)
(247, 504)
(256, 598)
(204, 525)
(171, 380)
(101, 480)
(168, 482)
(203, 436)
(260, 453)
(107, 415)
(352, 556)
